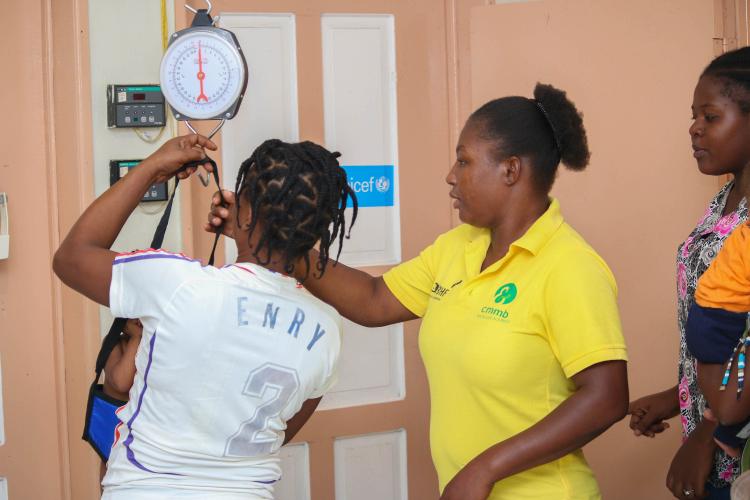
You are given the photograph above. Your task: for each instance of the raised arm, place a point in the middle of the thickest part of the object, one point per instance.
(357, 295)
(84, 260)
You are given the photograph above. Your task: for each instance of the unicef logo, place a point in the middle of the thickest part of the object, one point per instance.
(506, 293)
(382, 184)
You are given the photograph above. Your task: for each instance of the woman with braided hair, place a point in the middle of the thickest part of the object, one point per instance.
(520, 331)
(233, 361)
(294, 215)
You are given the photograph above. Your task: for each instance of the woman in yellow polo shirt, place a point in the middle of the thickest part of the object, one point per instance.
(520, 336)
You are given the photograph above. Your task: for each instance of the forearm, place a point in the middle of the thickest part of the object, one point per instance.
(358, 296)
(574, 423)
(102, 221)
(84, 261)
(672, 396)
(704, 433)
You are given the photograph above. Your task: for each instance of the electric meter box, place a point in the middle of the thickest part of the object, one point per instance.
(135, 106)
(120, 168)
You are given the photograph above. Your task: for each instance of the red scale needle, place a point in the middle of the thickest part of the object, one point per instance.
(201, 75)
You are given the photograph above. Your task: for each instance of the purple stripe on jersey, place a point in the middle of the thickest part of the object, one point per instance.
(129, 439)
(151, 256)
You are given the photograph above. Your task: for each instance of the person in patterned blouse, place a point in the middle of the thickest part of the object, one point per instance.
(720, 136)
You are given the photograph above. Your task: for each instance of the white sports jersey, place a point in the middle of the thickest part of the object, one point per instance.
(227, 357)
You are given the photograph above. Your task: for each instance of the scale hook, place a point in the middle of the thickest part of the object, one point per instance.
(195, 11)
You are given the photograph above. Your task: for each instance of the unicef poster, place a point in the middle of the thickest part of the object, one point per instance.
(373, 184)
(360, 119)
(375, 238)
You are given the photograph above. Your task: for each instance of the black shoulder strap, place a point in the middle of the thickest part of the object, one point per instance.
(113, 336)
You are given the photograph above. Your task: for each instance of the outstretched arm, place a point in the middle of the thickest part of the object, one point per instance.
(84, 260)
(357, 295)
(648, 414)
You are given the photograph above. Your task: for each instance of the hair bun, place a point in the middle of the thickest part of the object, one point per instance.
(566, 123)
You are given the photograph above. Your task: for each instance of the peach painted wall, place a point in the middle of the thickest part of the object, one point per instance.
(34, 457)
(631, 68)
(48, 123)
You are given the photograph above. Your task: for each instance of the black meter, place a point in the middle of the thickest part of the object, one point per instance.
(135, 106)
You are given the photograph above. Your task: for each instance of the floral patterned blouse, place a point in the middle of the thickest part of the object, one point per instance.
(693, 258)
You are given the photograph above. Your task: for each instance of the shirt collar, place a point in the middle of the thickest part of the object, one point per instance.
(541, 230)
(532, 240)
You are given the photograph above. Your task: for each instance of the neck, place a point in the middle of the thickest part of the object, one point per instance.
(742, 183)
(740, 189)
(245, 250)
(513, 226)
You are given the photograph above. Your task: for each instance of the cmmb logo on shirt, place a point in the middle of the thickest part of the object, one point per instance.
(506, 293)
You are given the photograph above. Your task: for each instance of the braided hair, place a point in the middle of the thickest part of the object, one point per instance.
(298, 193)
(733, 70)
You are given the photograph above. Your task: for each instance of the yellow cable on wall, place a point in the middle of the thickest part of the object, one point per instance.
(164, 27)
(171, 122)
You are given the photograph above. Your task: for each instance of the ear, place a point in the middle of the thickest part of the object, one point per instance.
(243, 217)
(511, 170)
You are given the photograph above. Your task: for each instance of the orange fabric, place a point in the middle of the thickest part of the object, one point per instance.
(726, 282)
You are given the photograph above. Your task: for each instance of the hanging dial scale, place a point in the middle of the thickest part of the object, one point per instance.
(203, 72)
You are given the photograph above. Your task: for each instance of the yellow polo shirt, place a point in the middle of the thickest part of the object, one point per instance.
(500, 346)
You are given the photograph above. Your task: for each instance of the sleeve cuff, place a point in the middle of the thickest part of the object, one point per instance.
(610, 353)
(412, 305)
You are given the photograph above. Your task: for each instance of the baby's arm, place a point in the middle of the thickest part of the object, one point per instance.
(120, 368)
(725, 405)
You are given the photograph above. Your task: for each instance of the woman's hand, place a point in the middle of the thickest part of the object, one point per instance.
(473, 482)
(173, 154)
(648, 413)
(691, 465)
(221, 212)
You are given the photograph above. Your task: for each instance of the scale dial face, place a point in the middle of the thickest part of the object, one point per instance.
(203, 75)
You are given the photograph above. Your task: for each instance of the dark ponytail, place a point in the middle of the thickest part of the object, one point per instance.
(548, 129)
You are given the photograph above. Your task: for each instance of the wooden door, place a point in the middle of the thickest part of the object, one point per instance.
(371, 443)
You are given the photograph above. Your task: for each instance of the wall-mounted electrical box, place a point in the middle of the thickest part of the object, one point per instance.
(135, 106)
(119, 168)
(4, 227)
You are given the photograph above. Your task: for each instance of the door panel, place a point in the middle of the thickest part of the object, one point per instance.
(419, 159)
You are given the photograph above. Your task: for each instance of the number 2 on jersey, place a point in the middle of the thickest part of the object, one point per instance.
(252, 438)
